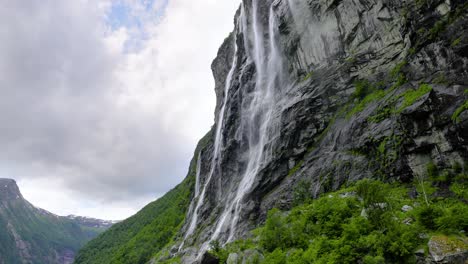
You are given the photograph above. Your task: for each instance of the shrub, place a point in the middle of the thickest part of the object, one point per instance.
(302, 193)
(216, 249)
(363, 88)
(274, 233)
(426, 216)
(276, 257)
(454, 218)
(372, 192)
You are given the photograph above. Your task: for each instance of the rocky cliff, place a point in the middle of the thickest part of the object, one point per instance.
(316, 95)
(328, 92)
(33, 235)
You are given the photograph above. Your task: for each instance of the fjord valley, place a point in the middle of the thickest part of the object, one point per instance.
(340, 136)
(32, 235)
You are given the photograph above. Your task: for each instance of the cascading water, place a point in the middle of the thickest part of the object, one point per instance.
(197, 175)
(200, 196)
(258, 125)
(258, 113)
(197, 190)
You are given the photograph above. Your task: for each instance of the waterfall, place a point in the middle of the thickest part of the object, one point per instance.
(197, 175)
(257, 115)
(197, 191)
(258, 123)
(216, 149)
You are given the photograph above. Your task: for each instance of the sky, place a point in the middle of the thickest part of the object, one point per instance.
(103, 101)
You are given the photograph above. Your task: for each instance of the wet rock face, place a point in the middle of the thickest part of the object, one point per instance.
(289, 112)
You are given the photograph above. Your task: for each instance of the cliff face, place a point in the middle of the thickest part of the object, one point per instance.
(324, 93)
(32, 235)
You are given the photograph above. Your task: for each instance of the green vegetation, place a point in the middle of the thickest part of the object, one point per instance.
(139, 237)
(363, 223)
(367, 92)
(411, 96)
(397, 75)
(308, 76)
(136, 239)
(363, 88)
(386, 153)
(438, 27)
(359, 107)
(456, 114)
(295, 168)
(456, 42)
(433, 33)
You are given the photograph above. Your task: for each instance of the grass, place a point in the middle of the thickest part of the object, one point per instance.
(456, 42)
(367, 92)
(411, 96)
(308, 76)
(458, 111)
(374, 96)
(294, 169)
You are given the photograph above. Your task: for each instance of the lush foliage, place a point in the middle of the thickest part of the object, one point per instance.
(364, 223)
(139, 237)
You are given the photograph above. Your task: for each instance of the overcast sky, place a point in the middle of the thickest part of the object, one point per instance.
(103, 101)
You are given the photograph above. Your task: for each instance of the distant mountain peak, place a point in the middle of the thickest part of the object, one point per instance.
(9, 190)
(92, 222)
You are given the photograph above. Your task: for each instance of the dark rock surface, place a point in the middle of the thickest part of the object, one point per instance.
(209, 259)
(290, 107)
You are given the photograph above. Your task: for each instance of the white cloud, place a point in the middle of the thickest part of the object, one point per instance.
(91, 126)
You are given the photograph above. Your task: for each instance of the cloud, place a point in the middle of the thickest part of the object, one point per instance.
(105, 115)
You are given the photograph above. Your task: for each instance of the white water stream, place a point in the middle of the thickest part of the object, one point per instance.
(216, 151)
(257, 122)
(257, 115)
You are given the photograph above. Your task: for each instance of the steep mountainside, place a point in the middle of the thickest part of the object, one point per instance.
(314, 95)
(32, 235)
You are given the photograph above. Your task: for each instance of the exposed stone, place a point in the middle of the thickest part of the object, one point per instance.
(406, 208)
(407, 221)
(443, 9)
(251, 256)
(444, 249)
(233, 258)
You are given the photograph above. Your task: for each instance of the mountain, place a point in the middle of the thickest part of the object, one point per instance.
(33, 235)
(313, 98)
(92, 222)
